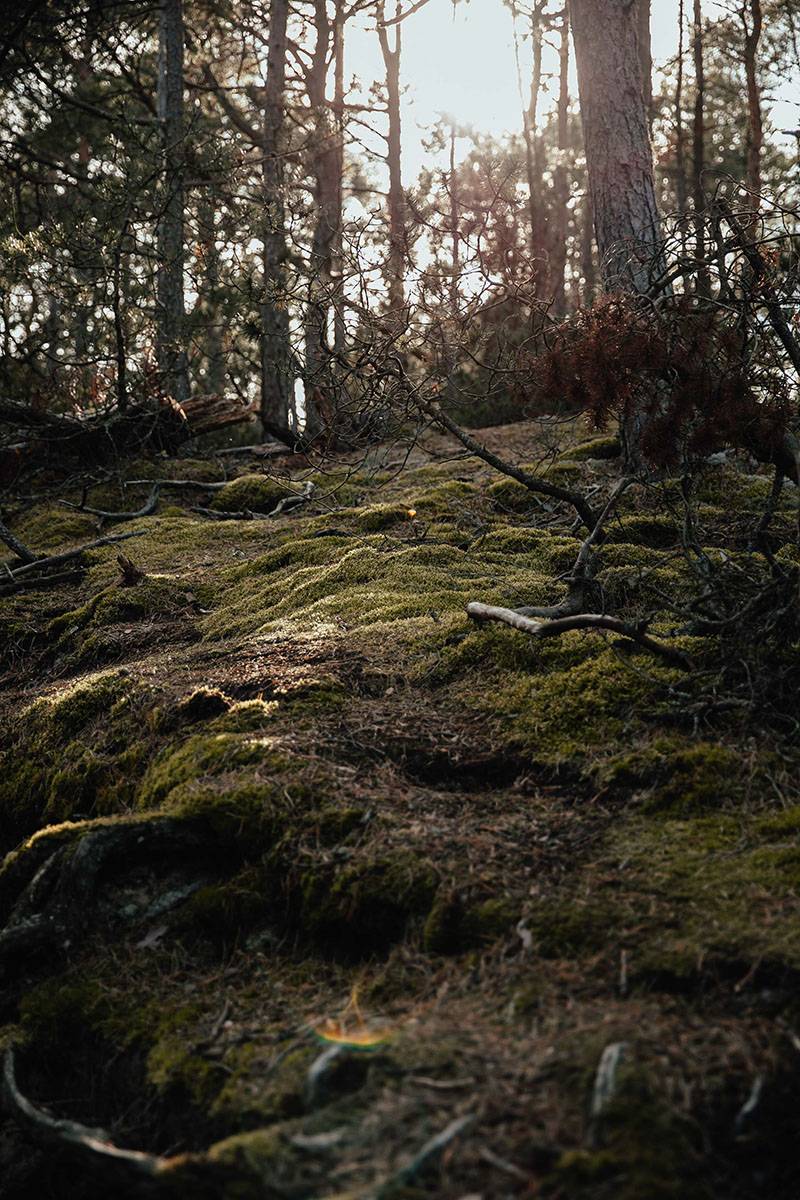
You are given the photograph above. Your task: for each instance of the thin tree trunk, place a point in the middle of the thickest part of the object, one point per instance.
(171, 345)
(339, 330)
(276, 358)
(558, 253)
(618, 152)
(698, 151)
(681, 186)
(755, 128)
(317, 382)
(397, 214)
(214, 381)
(539, 240)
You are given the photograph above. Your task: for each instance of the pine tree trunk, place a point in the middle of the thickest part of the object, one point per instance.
(645, 55)
(276, 359)
(171, 333)
(323, 143)
(699, 150)
(681, 186)
(558, 254)
(397, 205)
(755, 128)
(618, 152)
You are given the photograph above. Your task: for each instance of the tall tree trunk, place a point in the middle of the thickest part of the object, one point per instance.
(755, 128)
(587, 253)
(325, 159)
(339, 329)
(645, 55)
(215, 375)
(681, 186)
(699, 150)
(276, 358)
(618, 152)
(397, 205)
(171, 333)
(558, 253)
(539, 239)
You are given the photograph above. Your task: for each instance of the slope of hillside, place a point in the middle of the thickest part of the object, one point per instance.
(314, 888)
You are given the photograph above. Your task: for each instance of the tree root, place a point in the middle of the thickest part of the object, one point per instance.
(94, 1145)
(48, 891)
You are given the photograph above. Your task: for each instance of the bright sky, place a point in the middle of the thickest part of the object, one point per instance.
(467, 68)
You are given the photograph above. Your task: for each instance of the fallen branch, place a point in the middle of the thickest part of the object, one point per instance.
(147, 509)
(542, 629)
(31, 585)
(428, 1154)
(54, 560)
(20, 549)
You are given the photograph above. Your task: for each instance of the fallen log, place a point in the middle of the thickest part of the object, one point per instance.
(106, 436)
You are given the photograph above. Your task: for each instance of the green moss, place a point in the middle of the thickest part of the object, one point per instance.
(654, 531)
(251, 493)
(644, 1148)
(78, 751)
(203, 756)
(453, 926)
(49, 529)
(598, 447)
(717, 889)
(378, 517)
(366, 906)
(680, 778)
(584, 697)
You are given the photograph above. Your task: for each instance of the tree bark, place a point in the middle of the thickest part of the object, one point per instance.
(171, 334)
(618, 152)
(558, 254)
(325, 158)
(397, 205)
(680, 136)
(698, 150)
(755, 128)
(276, 358)
(645, 56)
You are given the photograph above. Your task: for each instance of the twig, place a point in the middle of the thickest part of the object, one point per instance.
(634, 633)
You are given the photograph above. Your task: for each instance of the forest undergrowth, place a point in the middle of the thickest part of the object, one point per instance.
(313, 887)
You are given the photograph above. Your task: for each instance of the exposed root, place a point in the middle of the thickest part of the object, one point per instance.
(94, 1145)
(54, 889)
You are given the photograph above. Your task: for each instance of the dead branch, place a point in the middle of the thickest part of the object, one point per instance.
(20, 549)
(534, 483)
(147, 509)
(31, 585)
(633, 633)
(586, 564)
(54, 560)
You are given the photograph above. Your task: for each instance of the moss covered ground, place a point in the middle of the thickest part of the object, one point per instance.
(380, 869)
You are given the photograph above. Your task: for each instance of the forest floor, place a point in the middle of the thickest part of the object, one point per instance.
(376, 902)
